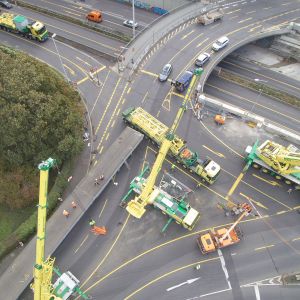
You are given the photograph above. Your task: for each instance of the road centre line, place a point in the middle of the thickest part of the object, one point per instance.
(185, 36)
(86, 237)
(258, 104)
(170, 273)
(106, 255)
(250, 12)
(145, 96)
(245, 20)
(264, 247)
(101, 212)
(107, 106)
(113, 114)
(258, 74)
(72, 13)
(233, 11)
(202, 42)
(234, 186)
(63, 6)
(224, 144)
(215, 152)
(167, 243)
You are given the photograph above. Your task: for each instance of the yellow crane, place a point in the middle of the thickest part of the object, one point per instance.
(136, 207)
(43, 268)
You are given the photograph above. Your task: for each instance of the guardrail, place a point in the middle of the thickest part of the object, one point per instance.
(249, 116)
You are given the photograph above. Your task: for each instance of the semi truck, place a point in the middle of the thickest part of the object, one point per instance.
(20, 25)
(278, 160)
(211, 17)
(139, 119)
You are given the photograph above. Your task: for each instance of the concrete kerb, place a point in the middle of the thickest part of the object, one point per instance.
(228, 50)
(136, 50)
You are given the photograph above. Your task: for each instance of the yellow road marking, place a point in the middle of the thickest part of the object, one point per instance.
(113, 124)
(245, 20)
(281, 212)
(166, 104)
(296, 207)
(145, 96)
(201, 43)
(88, 77)
(158, 113)
(265, 107)
(288, 3)
(170, 273)
(271, 182)
(86, 237)
(235, 152)
(267, 7)
(215, 152)
(149, 73)
(296, 239)
(107, 136)
(71, 71)
(254, 201)
(128, 91)
(101, 212)
(265, 247)
(113, 114)
(101, 150)
(83, 61)
(107, 106)
(178, 95)
(250, 12)
(185, 36)
(252, 29)
(234, 186)
(63, 6)
(108, 252)
(163, 245)
(233, 11)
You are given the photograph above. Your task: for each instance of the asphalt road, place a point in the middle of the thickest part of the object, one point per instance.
(134, 260)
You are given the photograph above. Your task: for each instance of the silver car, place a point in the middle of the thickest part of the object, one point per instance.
(165, 73)
(129, 23)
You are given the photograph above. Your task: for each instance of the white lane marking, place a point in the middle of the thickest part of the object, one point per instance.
(224, 267)
(189, 281)
(113, 14)
(257, 295)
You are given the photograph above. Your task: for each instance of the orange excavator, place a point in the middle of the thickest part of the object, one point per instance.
(225, 236)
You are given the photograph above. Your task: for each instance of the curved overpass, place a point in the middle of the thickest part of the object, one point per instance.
(234, 46)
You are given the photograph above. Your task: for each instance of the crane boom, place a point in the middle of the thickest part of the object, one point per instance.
(136, 207)
(42, 269)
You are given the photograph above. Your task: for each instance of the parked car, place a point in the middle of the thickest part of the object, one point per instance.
(220, 43)
(165, 73)
(202, 59)
(5, 4)
(129, 23)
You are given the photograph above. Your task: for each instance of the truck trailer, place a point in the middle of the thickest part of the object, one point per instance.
(20, 25)
(144, 122)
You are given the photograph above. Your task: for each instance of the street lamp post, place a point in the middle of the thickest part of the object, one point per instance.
(133, 20)
(53, 39)
(260, 92)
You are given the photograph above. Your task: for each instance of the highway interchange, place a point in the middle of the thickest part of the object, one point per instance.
(135, 261)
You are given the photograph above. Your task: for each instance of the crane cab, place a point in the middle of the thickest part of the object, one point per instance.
(95, 16)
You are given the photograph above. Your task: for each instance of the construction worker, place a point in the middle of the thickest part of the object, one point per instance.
(66, 213)
(73, 203)
(289, 190)
(173, 168)
(96, 181)
(92, 223)
(101, 177)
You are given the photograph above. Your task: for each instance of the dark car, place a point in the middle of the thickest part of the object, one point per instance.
(165, 73)
(5, 4)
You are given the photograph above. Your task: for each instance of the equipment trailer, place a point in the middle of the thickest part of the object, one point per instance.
(20, 25)
(282, 162)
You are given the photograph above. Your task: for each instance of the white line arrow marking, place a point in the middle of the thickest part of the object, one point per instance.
(189, 281)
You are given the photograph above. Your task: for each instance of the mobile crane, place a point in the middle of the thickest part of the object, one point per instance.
(136, 207)
(225, 236)
(67, 284)
(280, 161)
